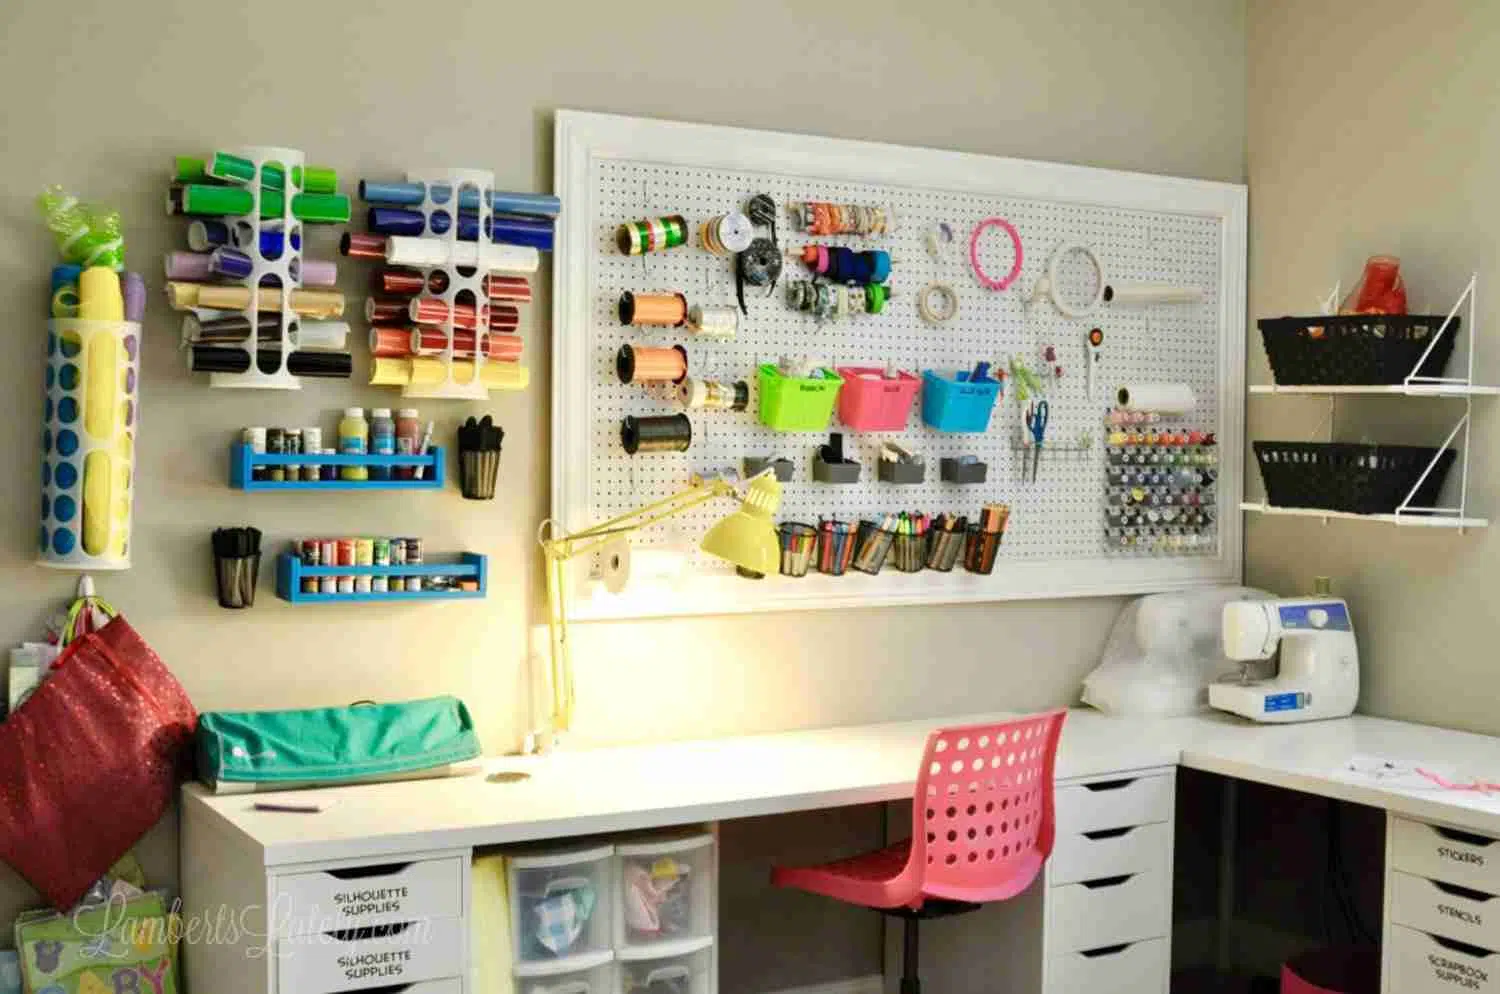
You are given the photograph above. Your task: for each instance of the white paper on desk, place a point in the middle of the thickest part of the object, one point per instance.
(1407, 774)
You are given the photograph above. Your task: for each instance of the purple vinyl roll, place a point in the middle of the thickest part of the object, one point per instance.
(193, 266)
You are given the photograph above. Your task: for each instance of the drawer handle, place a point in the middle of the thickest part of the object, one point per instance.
(360, 872)
(1468, 838)
(1108, 833)
(369, 932)
(1104, 882)
(1460, 947)
(1110, 784)
(1105, 950)
(1456, 891)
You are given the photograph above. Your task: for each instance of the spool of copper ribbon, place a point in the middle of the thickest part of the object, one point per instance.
(643, 364)
(653, 234)
(668, 433)
(657, 310)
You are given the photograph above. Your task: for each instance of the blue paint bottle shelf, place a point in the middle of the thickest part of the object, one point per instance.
(243, 460)
(290, 573)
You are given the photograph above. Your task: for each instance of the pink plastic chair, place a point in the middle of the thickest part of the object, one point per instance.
(982, 826)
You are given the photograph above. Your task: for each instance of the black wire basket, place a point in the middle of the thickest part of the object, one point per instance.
(1355, 349)
(1360, 479)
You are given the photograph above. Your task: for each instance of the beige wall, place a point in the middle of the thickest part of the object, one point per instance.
(1374, 126)
(99, 99)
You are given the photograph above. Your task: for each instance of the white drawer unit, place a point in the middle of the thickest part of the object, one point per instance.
(361, 896)
(685, 973)
(1117, 803)
(1418, 963)
(1447, 854)
(561, 902)
(1096, 913)
(666, 892)
(588, 973)
(383, 956)
(1445, 909)
(1125, 968)
(1109, 852)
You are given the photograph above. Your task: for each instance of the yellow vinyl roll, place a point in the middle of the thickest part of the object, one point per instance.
(102, 419)
(98, 479)
(491, 967)
(427, 371)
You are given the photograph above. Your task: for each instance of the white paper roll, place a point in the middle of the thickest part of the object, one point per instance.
(408, 251)
(1143, 294)
(614, 564)
(1164, 398)
(322, 335)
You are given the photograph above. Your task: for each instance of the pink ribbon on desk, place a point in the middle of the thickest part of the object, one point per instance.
(1478, 786)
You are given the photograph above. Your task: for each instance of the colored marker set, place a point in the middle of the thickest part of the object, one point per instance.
(260, 314)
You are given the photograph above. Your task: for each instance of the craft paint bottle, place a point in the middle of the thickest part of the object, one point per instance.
(312, 444)
(311, 550)
(327, 471)
(256, 439)
(413, 558)
(275, 446)
(382, 440)
(346, 558)
(364, 555)
(353, 431)
(408, 438)
(292, 442)
(381, 584)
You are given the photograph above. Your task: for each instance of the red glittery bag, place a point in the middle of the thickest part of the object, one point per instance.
(91, 761)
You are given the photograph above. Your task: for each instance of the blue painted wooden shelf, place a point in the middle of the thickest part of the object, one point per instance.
(290, 572)
(243, 460)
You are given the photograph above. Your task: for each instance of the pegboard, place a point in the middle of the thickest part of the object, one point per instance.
(1145, 229)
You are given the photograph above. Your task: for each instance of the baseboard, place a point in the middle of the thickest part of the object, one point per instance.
(872, 984)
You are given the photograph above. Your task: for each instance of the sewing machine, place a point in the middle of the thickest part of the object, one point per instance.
(1318, 674)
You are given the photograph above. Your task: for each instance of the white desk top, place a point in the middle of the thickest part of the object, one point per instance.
(573, 793)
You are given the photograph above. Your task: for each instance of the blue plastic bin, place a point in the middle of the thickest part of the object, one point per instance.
(951, 403)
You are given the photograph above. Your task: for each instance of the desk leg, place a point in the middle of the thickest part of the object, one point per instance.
(1228, 850)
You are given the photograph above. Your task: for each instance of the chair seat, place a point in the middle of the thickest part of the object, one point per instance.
(874, 879)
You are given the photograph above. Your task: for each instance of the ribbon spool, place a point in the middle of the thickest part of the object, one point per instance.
(657, 310)
(715, 395)
(758, 265)
(719, 323)
(821, 218)
(643, 364)
(652, 234)
(844, 265)
(666, 433)
(726, 234)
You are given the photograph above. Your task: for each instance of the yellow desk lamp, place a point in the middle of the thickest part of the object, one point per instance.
(746, 538)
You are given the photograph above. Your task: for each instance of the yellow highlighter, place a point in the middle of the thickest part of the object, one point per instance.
(100, 299)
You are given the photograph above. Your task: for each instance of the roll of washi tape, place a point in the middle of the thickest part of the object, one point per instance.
(984, 279)
(658, 310)
(308, 303)
(360, 246)
(716, 395)
(667, 433)
(644, 364)
(876, 294)
(944, 310)
(497, 346)
(186, 266)
(390, 342)
(719, 323)
(387, 311)
(515, 288)
(652, 234)
(427, 252)
(328, 335)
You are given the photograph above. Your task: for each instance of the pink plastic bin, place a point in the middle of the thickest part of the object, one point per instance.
(1333, 970)
(870, 402)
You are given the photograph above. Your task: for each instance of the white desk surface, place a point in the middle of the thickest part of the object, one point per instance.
(584, 792)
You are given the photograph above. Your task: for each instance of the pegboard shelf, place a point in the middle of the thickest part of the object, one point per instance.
(1388, 390)
(1401, 520)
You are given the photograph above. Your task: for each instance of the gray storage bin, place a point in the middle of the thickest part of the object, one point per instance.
(756, 464)
(902, 472)
(958, 471)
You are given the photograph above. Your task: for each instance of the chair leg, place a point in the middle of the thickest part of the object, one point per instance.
(910, 983)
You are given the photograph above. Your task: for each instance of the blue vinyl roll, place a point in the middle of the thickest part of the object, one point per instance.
(527, 231)
(411, 194)
(65, 274)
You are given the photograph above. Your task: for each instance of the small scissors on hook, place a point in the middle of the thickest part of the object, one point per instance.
(1036, 423)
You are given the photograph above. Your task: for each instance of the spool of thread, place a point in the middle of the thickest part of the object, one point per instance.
(726, 234)
(718, 323)
(424, 253)
(714, 395)
(433, 341)
(652, 234)
(657, 310)
(667, 433)
(643, 364)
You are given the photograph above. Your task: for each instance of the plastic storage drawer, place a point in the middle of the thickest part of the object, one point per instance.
(666, 891)
(1096, 913)
(586, 973)
(1108, 852)
(560, 903)
(683, 973)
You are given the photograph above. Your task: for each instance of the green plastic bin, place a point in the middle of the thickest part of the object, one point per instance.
(796, 403)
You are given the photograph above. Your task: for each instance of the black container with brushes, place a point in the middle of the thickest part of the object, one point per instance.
(479, 444)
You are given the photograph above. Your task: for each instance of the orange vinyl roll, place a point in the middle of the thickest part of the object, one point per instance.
(658, 310)
(498, 287)
(431, 310)
(403, 282)
(645, 364)
(433, 341)
(390, 343)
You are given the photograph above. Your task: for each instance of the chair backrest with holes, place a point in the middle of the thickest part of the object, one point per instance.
(982, 820)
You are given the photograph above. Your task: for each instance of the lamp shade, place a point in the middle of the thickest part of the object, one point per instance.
(747, 538)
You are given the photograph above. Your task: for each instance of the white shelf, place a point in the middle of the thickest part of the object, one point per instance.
(1401, 520)
(1398, 389)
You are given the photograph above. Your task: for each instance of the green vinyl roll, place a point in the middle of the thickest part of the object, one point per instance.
(238, 169)
(218, 201)
(188, 169)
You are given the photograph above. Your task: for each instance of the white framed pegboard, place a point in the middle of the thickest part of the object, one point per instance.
(1145, 229)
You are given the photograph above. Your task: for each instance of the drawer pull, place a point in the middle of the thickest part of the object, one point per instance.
(360, 872)
(1460, 947)
(1467, 838)
(1108, 833)
(1456, 891)
(369, 932)
(1110, 784)
(1103, 882)
(1105, 950)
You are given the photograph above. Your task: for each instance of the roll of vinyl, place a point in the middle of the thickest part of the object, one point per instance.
(308, 303)
(410, 194)
(230, 329)
(387, 342)
(428, 252)
(422, 371)
(433, 310)
(205, 236)
(718, 323)
(645, 364)
(499, 347)
(186, 266)
(534, 232)
(321, 335)
(1146, 294)
(515, 288)
(355, 245)
(658, 310)
(217, 359)
(1163, 398)
(668, 433)
(317, 272)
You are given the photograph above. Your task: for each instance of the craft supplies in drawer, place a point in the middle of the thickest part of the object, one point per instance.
(687, 973)
(586, 973)
(382, 956)
(874, 399)
(1114, 803)
(1448, 910)
(1124, 968)
(560, 902)
(1094, 913)
(797, 400)
(1108, 852)
(1418, 963)
(958, 401)
(666, 890)
(359, 897)
(1446, 854)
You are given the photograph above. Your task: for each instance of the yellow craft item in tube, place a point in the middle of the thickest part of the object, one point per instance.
(427, 371)
(98, 480)
(99, 297)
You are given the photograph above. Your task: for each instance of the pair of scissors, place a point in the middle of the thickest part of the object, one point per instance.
(1036, 423)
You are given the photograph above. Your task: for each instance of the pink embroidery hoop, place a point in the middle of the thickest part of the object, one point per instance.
(989, 282)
